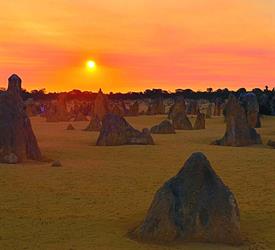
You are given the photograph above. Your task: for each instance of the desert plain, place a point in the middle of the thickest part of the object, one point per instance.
(101, 193)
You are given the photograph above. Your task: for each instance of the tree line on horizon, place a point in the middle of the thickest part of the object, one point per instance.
(209, 94)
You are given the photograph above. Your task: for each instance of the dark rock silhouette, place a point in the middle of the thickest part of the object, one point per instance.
(238, 132)
(180, 121)
(16, 134)
(200, 121)
(165, 127)
(195, 205)
(117, 131)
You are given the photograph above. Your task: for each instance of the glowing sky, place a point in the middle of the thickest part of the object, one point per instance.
(138, 44)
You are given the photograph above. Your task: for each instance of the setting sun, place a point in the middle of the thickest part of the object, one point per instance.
(90, 64)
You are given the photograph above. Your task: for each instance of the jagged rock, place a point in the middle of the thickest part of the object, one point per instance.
(101, 107)
(238, 132)
(165, 127)
(94, 125)
(195, 205)
(181, 122)
(200, 121)
(117, 131)
(16, 134)
(70, 127)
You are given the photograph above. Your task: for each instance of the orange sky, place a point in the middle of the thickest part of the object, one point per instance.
(138, 44)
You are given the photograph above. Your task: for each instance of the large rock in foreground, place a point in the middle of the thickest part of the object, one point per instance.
(117, 131)
(16, 135)
(195, 205)
(238, 132)
(165, 127)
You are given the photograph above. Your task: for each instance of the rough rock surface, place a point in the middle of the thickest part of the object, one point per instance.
(178, 107)
(117, 131)
(101, 107)
(238, 132)
(195, 205)
(165, 127)
(57, 111)
(250, 103)
(180, 121)
(156, 107)
(16, 134)
(94, 125)
(200, 121)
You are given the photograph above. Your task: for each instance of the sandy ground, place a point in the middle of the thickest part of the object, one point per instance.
(102, 192)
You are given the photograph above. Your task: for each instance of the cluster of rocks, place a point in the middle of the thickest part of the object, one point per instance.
(238, 130)
(180, 120)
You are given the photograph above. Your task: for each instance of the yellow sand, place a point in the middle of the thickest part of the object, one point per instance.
(102, 192)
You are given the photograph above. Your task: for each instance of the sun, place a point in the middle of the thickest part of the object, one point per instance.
(91, 64)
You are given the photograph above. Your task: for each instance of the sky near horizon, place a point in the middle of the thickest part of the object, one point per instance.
(138, 44)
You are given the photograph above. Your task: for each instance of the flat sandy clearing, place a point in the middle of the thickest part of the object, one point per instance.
(101, 193)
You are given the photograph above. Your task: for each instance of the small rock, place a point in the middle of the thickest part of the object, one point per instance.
(10, 158)
(56, 163)
(271, 143)
(70, 127)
